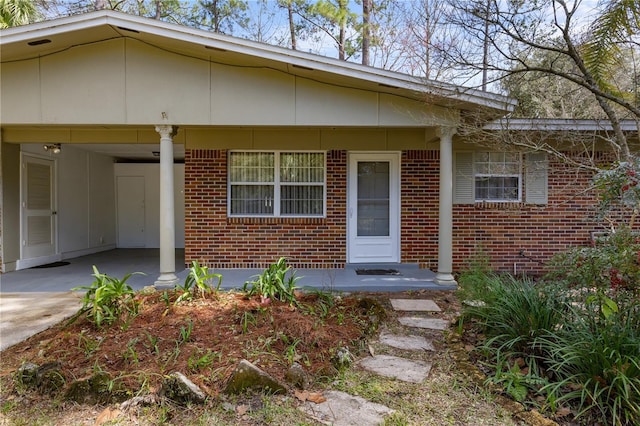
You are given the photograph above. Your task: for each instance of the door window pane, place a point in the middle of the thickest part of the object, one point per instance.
(373, 198)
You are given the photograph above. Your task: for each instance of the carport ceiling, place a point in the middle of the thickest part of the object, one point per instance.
(131, 152)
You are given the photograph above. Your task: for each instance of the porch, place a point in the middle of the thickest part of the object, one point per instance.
(119, 262)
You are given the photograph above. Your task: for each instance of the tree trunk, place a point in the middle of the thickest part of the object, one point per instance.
(101, 4)
(292, 26)
(366, 30)
(158, 9)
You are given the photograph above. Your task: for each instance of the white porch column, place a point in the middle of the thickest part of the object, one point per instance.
(167, 222)
(445, 225)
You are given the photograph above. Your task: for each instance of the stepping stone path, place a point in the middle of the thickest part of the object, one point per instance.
(341, 409)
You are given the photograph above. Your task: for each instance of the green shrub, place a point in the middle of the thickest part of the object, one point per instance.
(107, 298)
(596, 366)
(274, 283)
(612, 263)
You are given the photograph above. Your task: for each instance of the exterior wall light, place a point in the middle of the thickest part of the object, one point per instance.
(54, 148)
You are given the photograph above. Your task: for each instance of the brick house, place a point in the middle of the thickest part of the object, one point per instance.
(120, 131)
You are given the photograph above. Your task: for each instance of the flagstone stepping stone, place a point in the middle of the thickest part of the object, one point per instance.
(412, 343)
(418, 305)
(397, 368)
(421, 322)
(342, 409)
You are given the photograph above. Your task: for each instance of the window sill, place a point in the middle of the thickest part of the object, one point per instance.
(499, 205)
(276, 220)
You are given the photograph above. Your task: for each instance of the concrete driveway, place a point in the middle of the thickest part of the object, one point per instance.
(24, 314)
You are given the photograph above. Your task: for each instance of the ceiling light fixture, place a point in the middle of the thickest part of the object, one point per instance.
(54, 148)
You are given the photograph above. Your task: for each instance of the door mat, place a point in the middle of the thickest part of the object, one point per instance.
(377, 272)
(51, 265)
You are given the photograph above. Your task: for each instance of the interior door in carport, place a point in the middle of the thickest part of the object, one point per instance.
(131, 206)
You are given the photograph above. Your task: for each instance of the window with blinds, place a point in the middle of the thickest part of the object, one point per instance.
(277, 184)
(497, 176)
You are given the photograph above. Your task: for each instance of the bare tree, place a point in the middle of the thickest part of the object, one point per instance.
(584, 52)
(367, 5)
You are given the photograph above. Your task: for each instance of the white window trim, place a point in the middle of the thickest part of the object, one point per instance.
(520, 177)
(277, 185)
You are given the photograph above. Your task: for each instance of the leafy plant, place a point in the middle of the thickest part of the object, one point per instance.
(201, 280)
(514, 382)
(200, 360)
(611, 263)
(154, 343)
(131, 354)
(185, 333)
(107, 298)
(88, 344)
(515, 312)
(274, 283)
(597, 367)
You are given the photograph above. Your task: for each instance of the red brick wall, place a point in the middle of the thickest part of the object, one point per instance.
(499, 230)
(502, 230)
(221, 242)
(420, 174)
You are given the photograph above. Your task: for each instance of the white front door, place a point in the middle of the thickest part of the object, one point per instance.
(373, 208)
(38, 232)
(131, 211)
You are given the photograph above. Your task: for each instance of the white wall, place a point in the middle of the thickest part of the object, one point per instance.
(151, 174)
(85, 197)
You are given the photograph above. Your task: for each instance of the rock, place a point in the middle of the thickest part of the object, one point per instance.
(397, 368)
(97, 389)
(137, 401)
(342, 409)
(178, 388)
(412, 343)
(27, 375)
(417, 305)
(47, 378)
(342, 358)
(474, 303)
(296, 376)
(422, 322)
(247, 375)
(50, 378)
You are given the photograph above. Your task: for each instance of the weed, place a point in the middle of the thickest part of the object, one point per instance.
(88, 344)
(248, 318)
(290, 352)
(130, 353)
(185, 333)
(200, 360)
(153, 345)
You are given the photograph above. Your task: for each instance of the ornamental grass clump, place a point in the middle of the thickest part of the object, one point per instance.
(595, 362)
(514, 313)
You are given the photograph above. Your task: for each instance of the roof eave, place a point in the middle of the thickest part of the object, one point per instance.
(420, 88)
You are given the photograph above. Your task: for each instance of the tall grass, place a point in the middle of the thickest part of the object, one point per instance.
(596, 365)
(577, 354)
(514, 313)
